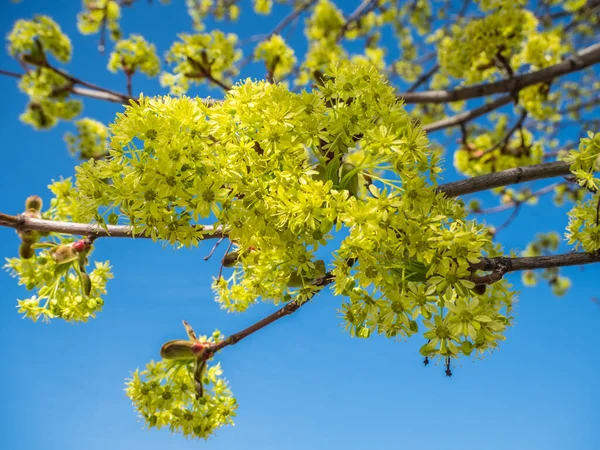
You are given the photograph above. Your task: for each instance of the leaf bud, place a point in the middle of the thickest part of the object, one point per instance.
(25, 250)
(34, 202)
(351, 182)
(177, 349)
(63, 254)
(86, 283)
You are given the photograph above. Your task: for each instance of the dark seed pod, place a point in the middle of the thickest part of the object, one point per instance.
(230, 259)
(479, 289)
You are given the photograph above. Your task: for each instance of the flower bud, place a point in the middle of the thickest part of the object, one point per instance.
(80, 246)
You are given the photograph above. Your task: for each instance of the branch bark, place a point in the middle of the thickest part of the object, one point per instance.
(467, 116)
(288, 309)
(453, 189)
(585, 58)
(504, 178)
(24, 223)
(501, 265)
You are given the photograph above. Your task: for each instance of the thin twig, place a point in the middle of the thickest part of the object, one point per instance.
(207, 257)
(536, 194)
(288, 309)
(467, 116)
(423, 78)
(504, 141)
(361, 10)
(279, 28)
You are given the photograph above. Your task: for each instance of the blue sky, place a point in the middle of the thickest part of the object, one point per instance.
(302, 382)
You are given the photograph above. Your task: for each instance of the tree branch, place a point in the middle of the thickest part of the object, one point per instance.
(467, 116)
(504, 178)
(288, 309)
(24, 223)
(362, 9)
(585, 58)
(501, 265)
(280, 27)
(91, 91)
(514, 203)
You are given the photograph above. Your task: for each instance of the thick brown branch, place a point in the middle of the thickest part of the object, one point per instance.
(504, 178)
(585, 58)
(23, 223)
(507, 265)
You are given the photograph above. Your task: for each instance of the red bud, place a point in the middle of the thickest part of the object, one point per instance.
(80, 246)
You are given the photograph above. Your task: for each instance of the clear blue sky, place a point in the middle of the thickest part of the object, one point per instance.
(302, 382)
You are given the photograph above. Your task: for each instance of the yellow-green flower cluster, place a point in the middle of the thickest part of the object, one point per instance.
(490, 152)
(164, 396)
(545, 243)
(278, 57)
(584, 227)
(60, 289)
(263, 6)
(134, 54)
(219, 9)
(322, 30)
(99, 13)
(60, 293)
(584, 161)
(499, 43)
(282, 172)
(325, 23)
(48, 94)
(198, 57)
(30, 39)
(91, 140)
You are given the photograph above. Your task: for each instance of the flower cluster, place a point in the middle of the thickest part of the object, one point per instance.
(91, 140)
(200, 57)
(164, 396)
(545, 243)
(97, 14)
(493, 151)
(31, 39)
(584, 226)
(502, 41)
(283, 173)
(134, 54)
(55, 267)
(278, 57)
